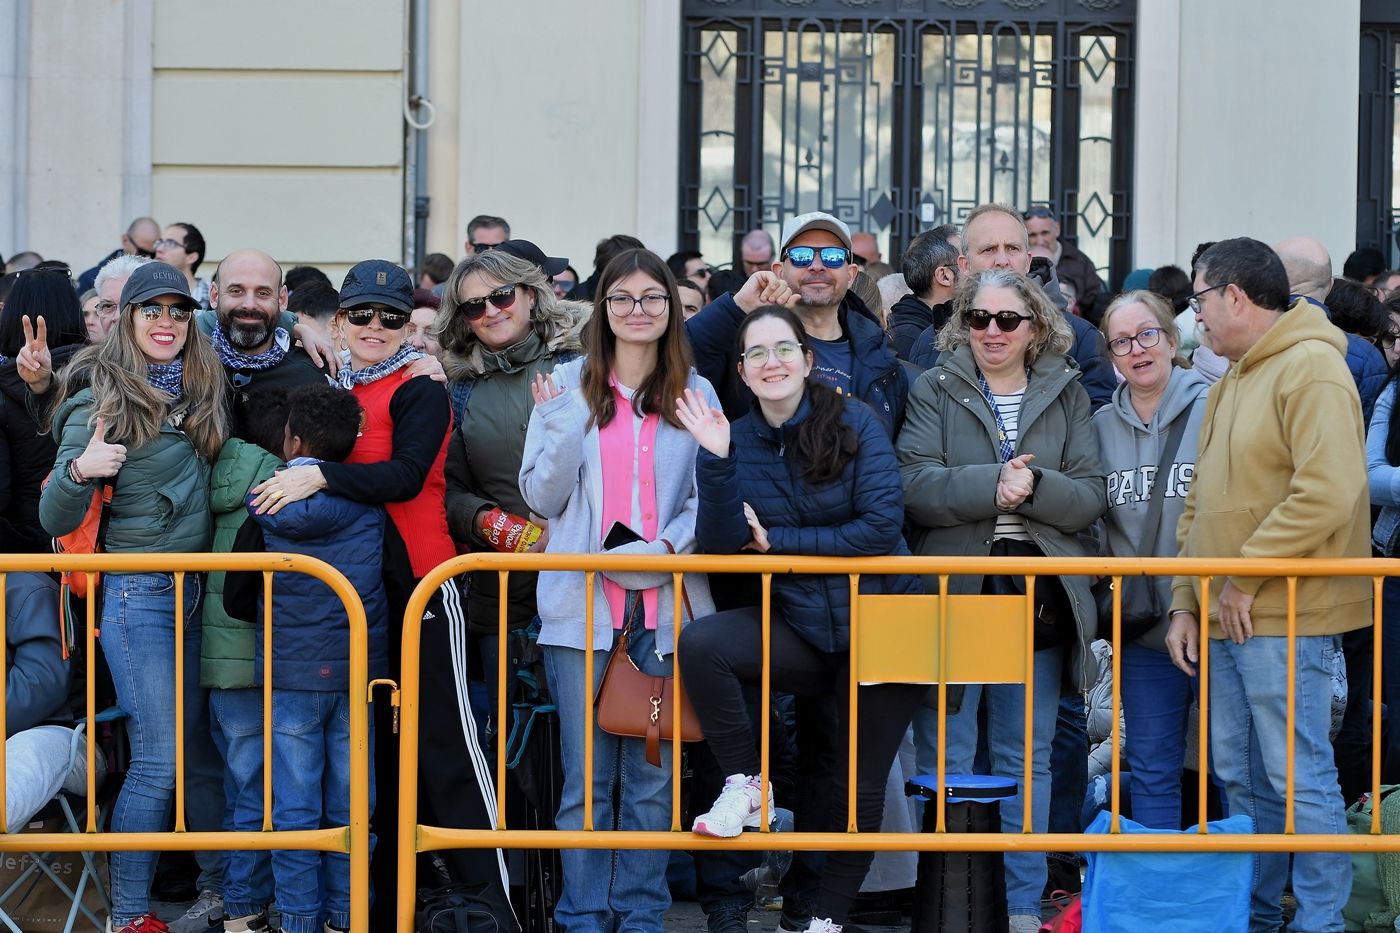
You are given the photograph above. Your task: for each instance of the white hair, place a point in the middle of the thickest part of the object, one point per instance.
(119, 268)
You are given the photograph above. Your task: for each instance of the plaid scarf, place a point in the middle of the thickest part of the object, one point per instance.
(233, 359)
(167, 377)
(350, 378)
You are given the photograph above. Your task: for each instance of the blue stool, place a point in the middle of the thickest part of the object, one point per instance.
(961, 891)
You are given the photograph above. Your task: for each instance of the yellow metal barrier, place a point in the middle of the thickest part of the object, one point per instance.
(939, 643)
(352, 840)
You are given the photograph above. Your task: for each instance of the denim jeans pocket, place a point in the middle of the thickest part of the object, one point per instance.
(295, 712)
(147, 584)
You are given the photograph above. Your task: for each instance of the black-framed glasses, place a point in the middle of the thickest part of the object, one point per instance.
(168, 243)
(832, 257)
(1146, 338)
(152, 312)
(483, 247)
(1194, 301)
(502, 298)
(785, 350)
(392, 320)
(1007, 321)
(652, 305)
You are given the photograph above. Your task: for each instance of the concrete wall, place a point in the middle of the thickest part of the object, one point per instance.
(279, 126)
(567, 126)
(1247, 123)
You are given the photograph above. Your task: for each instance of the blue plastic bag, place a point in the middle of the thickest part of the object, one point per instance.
(1185, 892)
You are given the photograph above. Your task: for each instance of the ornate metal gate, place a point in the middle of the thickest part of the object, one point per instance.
(899, 115)
(1378, 149)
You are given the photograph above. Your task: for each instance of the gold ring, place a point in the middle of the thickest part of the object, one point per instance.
(277, 494)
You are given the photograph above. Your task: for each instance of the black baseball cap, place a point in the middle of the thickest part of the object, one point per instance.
(377, 281)
(154, 279)
(550, 265)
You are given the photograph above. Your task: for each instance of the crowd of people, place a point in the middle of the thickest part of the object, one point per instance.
(993, 397)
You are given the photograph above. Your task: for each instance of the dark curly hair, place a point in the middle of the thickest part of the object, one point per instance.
(326, 418)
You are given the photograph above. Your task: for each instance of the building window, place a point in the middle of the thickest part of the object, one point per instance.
(1378, 149)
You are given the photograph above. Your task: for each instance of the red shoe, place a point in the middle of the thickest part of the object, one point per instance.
(147, 924)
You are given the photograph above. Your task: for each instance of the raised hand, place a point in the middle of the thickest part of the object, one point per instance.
(707, 425)
(764, 288)
(100, 459)
(543, 388)
(34, 362)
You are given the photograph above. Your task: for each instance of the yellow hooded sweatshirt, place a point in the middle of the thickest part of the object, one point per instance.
(1282, 473)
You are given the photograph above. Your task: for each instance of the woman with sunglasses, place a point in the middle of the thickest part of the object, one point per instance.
(1159, 398)
(999, 458)
(608, 463)
(143, 412)
(806, 472)
(399, 461)
(500, 326)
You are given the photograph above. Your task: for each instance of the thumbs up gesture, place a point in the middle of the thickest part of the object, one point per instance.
(101, 459)
(34, 363)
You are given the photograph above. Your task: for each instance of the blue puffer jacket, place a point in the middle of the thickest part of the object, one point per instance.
(858, 515)
(310, 632)
(877, 378)
(1367, 366)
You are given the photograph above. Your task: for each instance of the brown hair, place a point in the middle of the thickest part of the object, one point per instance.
(667, 382)
(1161, 310)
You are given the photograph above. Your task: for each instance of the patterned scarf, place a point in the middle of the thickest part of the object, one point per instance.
(350, 378)
(167, 377)
(233, 359)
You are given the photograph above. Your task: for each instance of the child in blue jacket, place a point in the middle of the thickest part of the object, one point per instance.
(311, 679)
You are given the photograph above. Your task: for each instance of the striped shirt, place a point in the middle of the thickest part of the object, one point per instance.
(1009, 408)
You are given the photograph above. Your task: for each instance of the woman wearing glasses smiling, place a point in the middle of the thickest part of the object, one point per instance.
(805, 472)
(608, 463)
(143, 411)
(999, 458)
(1157, 410)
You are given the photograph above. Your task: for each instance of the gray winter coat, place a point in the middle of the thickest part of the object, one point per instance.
(1131, 451)
(949, 459)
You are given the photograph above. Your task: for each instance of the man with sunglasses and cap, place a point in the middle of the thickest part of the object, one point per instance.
(813, 275)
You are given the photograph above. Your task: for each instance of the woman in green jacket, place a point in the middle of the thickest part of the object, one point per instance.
(144, 410)
(999, 458)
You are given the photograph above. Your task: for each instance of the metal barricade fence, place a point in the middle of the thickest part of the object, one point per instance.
(959, 639)
(352, 840)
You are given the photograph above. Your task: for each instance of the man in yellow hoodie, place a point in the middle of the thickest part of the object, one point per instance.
(1281, 473)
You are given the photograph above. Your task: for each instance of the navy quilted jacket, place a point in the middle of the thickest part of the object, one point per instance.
(310, 631)
(858, 515)
(1368, 371)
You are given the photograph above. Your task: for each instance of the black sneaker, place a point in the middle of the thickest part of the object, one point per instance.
(728, 918)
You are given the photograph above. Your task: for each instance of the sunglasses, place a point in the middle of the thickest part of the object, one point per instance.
(833, 257)
(392, 320)
(168, 243)
(1007, 321)
(153, 312)
(502, 298)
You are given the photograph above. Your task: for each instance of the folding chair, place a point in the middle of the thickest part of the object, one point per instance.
(72, 808)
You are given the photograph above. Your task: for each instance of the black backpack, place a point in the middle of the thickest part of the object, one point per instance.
(454, 908)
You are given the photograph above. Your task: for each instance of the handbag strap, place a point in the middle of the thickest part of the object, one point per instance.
(1154, 507)
(685, 595)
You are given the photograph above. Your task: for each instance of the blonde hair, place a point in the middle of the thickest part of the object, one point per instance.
(115, 370)
(1052, 332)
(1161, 310)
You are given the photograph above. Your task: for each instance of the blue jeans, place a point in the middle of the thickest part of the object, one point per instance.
(311, 781)
(1157, 699)
(1069, 765)
(607, 889)
(248, 874)
(138, 641)
(1025, 871)
(1248, 732)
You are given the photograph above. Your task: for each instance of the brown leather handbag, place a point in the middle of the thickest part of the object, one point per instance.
(632, 704)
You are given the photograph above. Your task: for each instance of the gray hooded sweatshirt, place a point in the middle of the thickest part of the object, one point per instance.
(1130, 452)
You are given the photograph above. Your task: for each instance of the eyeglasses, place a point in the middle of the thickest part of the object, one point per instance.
(169, 244)
(392, 320)
(653, 305)
(785, 350)
(153, 312)
(1194, 301)
(1122, 346)
(105, 307)
(833, 257)
(483, 247)
(1007, 321)
(474, 308)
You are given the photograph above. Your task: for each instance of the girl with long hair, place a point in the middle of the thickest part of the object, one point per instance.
(806, 472)
(607, 458)
(144, 409)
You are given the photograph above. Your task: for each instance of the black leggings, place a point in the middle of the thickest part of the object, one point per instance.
(720, 653)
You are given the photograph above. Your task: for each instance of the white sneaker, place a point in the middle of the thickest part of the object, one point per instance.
(252, 923)
(737, 809)
(1023, 923)
(206, 908)
(818, 925)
